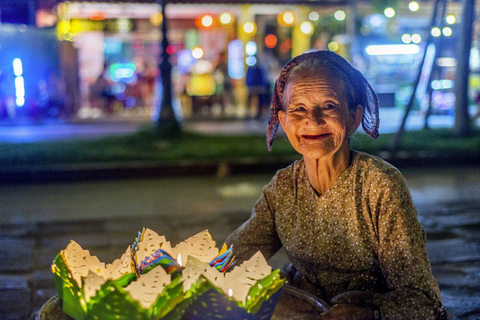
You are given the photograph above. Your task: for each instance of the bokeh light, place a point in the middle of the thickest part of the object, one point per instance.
(406, 38)
(251, 48)
(207, 20)
(451, 19)
(389, 12)
(436, 32)
(249, 27)
(271, 41)
(447, 31)
(416, 38)
(197, 52)
(413, 6)
(314, 16)
(340, 15)
(251, 61)
(333, 46)
(306, 27)
(156, 19)
(287, 18)
(226, 18)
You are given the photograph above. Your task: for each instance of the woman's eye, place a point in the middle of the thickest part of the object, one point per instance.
(296, 109)
(329, 106)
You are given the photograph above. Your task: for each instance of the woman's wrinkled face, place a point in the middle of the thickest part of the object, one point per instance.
(316, 117)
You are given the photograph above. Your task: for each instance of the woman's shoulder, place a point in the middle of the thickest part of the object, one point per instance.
(374, 167)
(288, 175)
(293, 170)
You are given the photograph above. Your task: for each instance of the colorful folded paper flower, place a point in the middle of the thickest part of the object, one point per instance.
(153, 280)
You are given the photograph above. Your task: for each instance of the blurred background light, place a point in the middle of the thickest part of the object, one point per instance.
(286, 18)
(306, 27)
(447, 62)
(406, 38)
(19, 86)
(236, 67)
(251, 48)
(124, 72)
(340, 15)
(376, 20)
(271, 41)
(249, 27)
(413, 6)
(447, 31)
(416, 38)
(226, 18)
(436, 32)
(333, 46)
(156, 19)
(17, 67)
(207, 20)
(19, 82)
(451, 19)
(185, 60)
(251, 61)
(392, 49)
(389, 12)
(314, 16)
(442, 84)
(197, 52)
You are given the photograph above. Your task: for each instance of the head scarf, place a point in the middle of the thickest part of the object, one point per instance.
(363, 92)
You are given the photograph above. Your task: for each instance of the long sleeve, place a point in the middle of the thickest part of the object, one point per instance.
(413, 292)
(258, 232)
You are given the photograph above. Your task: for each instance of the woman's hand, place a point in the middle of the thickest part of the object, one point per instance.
(347, 312)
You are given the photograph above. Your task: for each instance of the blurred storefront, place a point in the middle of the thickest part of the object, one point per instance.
(212, 47)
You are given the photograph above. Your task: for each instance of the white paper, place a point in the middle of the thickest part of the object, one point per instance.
(147, 287)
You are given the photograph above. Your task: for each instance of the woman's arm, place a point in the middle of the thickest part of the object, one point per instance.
(258, 232)
(413, 292)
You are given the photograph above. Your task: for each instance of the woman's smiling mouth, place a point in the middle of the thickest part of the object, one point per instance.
(316, 136)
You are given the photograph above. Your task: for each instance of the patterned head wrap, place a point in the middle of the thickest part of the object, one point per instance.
(363, 92)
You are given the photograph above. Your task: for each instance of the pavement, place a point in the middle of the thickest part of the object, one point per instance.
(38, 220)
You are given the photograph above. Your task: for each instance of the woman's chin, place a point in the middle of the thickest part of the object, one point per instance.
(318, 150)
(313, 153)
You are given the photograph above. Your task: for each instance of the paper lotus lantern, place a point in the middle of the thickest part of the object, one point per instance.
(148, 282)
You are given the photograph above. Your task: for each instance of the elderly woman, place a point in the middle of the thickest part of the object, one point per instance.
(345, 218)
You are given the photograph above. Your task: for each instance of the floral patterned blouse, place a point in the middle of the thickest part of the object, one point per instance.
(359, 243)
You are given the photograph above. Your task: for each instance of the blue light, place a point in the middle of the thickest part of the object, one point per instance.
(236, 68)
(251, 61)
(17, 67)
(122, 72)
(19, 87)
(19, 82)
(251, 48)
(20, 101)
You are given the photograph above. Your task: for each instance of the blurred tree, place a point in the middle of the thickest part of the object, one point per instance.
(398, 136)
(167, 125)
(462, 125)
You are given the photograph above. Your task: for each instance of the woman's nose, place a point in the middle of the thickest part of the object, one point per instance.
(317, 116)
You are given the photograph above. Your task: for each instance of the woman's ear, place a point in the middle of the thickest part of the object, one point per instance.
(357, 116)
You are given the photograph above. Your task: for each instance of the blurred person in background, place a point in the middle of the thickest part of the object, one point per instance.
(258, 87)
(224, 87)
(101, 93)
(345, 218)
